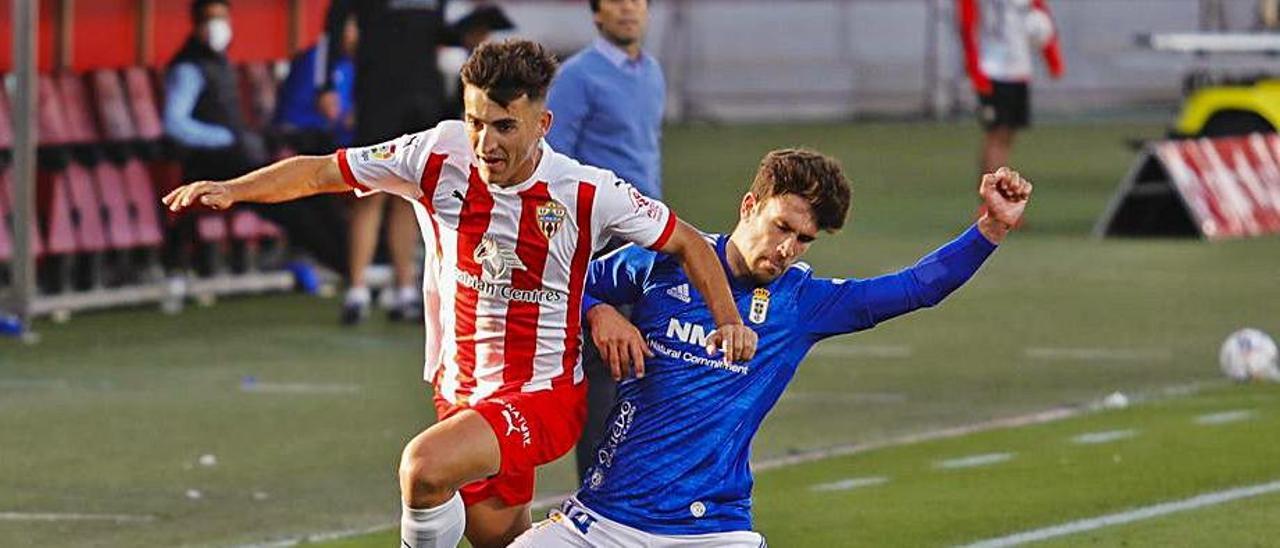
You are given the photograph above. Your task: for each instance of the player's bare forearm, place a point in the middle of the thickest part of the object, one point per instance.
(282, 181)
(736, 340)
(704, 271)
(289, 179)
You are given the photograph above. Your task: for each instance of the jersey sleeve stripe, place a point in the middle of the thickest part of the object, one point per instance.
(532, 245)
(347, 175)
(473, 222)
(577, 279)
(667, 231)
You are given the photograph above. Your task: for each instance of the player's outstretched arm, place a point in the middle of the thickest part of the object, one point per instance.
(703, 268)
(279, 182)
(834, 307)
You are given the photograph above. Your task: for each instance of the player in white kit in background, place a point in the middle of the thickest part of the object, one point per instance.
(510, 226)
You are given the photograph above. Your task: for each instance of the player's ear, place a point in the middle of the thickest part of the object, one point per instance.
(545, 120)
(748, 205)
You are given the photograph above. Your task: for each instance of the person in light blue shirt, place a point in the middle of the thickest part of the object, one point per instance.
(674, 467)
(607, 103)
(608, 99)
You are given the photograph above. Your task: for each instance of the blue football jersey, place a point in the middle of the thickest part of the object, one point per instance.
(675, 458)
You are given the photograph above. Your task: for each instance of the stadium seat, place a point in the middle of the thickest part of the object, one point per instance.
(6, 123)
(55, 208)
(6, 204)
(81, 125)
(122, 232)
(112, 106)
(143, 103)
(142, 204)
(86, 209)
(54, 128)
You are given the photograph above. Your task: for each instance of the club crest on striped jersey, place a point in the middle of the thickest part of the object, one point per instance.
(384, 152)
(497, 261)
(759, 305)
(550, 216)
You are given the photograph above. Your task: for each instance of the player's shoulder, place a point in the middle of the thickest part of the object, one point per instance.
(563, 169)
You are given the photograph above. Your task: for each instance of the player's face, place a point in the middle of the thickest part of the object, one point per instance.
(773, 233)
(623, 22)
(505, 139)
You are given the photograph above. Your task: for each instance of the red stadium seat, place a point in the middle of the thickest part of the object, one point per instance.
(6, 241)
(54, 128)
(6, 123)
(75, 105)
(140, 197)
(112, 106)
(87, 210)
(143, 103)
(122, 232)
(6, 203)
(212, 228)
(55, 200)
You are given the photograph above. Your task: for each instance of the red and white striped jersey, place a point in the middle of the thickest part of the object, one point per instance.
(504, 285)
(998, 43)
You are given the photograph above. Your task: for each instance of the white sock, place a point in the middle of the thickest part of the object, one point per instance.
(408, 294)
(439, 527)
(358, 294)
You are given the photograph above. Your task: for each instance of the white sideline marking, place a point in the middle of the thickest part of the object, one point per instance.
(1099, 354)
(1137, 514)
(851, 483)
(973, 461)
(37, 516)
(832, 350)
(298, 388)
(845, 397)
(1093, 438)
(1226, 417)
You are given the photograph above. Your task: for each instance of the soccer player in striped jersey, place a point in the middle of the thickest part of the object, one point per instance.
(673, 469)
(510, 226)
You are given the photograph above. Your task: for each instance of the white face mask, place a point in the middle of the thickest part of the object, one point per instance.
(219, 32)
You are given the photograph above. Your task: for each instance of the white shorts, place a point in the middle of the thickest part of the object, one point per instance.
(576, 526)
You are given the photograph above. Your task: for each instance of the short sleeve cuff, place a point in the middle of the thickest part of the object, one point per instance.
(347, 175)
(667, 231)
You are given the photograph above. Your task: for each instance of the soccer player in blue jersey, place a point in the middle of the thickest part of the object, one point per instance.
(673, 469)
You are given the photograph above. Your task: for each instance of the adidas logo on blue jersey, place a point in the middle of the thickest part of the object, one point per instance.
(680, 293)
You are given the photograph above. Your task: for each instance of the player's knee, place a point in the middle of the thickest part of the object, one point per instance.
(423, 481)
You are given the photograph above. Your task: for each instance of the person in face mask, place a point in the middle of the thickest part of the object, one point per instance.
(203, 118)
(202, 112)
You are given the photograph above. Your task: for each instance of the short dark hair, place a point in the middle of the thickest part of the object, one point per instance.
(810, 175)
(198, 6)
(509, 69)
(595, 5)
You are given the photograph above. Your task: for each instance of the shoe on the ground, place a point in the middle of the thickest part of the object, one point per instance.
(354, 313)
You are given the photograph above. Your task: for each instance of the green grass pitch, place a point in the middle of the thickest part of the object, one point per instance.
(110, 414)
